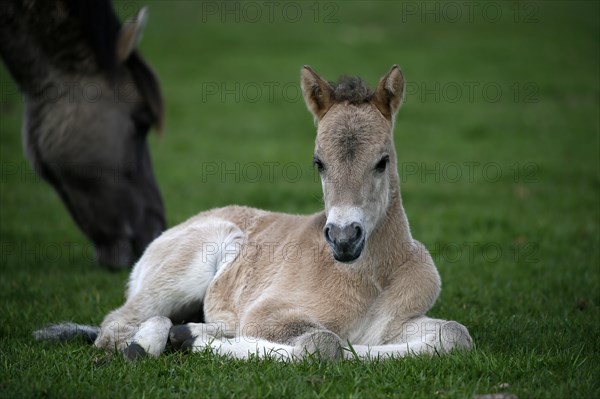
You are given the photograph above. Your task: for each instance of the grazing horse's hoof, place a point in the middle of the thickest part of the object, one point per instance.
(181, 337)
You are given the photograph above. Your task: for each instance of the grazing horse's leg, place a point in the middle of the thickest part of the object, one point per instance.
(421, 335)
(170, 282)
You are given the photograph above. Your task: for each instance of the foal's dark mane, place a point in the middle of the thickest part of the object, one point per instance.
(351, 89)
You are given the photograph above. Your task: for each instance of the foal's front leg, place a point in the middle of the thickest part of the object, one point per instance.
(272, 329)
(197, 337)
(420, 335)
(314, 341)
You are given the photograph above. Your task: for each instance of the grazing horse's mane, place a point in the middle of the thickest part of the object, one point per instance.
(40, 38)
(100, 27)
(351, 89)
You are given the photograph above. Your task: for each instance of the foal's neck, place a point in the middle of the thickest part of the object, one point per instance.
(391, 243)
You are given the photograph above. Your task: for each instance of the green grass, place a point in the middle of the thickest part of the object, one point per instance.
(518, 253)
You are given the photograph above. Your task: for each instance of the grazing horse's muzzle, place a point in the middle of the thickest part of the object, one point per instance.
(347, 242)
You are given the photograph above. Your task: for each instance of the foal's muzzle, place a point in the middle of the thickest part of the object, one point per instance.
(347, 243)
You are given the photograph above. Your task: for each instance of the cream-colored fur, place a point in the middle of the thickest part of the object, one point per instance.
(268, 282)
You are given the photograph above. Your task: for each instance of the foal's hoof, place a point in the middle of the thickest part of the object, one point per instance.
(454, 335)
(181, 337)
(134, 351)
(322, 343)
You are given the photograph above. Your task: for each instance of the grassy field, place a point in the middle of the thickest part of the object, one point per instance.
(498, 143)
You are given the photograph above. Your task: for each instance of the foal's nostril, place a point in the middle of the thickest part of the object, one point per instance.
(326, 231)
(358, 231)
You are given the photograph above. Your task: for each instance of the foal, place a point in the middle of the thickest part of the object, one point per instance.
(355, 283)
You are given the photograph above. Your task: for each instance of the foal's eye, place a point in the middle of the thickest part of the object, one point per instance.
(317, 162)
(382, 164)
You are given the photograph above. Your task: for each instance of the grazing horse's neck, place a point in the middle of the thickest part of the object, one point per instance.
(42, 45)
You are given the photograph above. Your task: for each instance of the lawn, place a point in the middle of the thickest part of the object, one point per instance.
(498, 145)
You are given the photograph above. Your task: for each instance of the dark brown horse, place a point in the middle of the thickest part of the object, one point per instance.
(90, 100)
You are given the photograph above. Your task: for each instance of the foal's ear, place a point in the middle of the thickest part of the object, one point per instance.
(316, 91)
(130, 34)
(390, 93)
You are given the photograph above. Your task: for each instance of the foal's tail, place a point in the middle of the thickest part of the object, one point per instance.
(67, 332)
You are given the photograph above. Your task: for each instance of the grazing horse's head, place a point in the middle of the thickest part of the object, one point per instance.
(90, 100)
(354, 154)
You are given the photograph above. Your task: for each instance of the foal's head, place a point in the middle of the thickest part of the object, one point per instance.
(354, 154)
